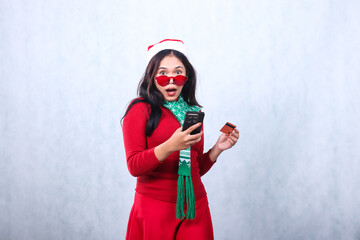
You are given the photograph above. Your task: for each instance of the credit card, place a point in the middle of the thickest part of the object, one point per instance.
(228, 128)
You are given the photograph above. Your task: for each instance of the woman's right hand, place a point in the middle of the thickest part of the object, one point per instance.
(180, 140)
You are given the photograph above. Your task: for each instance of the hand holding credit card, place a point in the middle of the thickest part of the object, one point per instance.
(228, 128)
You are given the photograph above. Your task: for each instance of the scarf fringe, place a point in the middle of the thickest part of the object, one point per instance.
(185, 181)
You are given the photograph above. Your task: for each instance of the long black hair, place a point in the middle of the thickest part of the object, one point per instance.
(148, 92)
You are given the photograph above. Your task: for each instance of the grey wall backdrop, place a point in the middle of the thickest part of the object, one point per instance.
(286, 72)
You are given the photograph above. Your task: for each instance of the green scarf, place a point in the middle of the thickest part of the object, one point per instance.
(179, 109)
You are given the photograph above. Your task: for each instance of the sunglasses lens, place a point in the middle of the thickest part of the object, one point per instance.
(162, 80)
(180, 80)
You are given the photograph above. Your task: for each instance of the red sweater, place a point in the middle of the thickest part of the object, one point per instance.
(157, 179)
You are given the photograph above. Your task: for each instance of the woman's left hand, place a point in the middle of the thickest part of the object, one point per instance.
(226, 141)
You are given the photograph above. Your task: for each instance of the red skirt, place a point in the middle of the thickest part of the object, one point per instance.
(152, 219)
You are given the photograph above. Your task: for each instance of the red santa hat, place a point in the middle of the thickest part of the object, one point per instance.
(174, 44)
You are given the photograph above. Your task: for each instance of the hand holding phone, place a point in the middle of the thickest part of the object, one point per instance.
(192, 118)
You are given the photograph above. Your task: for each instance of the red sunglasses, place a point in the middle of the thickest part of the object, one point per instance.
(164, 80)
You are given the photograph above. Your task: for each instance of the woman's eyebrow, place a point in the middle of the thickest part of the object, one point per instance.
(175, 68)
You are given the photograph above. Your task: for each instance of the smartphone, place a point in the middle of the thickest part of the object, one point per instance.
(192, 118)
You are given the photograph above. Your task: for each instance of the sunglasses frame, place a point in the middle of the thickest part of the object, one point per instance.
(164, 80)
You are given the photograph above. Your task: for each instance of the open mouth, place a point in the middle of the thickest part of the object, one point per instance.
(171, 91)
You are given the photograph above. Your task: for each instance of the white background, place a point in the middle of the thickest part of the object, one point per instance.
(286, 72)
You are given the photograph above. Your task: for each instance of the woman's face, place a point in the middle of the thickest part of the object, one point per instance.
(170, 66)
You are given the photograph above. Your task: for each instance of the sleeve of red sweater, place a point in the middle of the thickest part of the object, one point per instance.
(204, 160)
(140, 160)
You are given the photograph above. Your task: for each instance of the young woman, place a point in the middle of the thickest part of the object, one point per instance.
(170, 199)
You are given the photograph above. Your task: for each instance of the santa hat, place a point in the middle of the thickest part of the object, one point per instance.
(174, 44)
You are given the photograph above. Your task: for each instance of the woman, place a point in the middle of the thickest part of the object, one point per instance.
(155, 147)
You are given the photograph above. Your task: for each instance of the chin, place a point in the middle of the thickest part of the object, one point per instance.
(172, 98)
